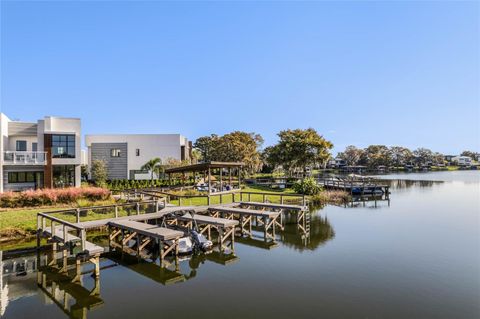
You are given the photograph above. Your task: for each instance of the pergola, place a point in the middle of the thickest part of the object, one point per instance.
(207, 169)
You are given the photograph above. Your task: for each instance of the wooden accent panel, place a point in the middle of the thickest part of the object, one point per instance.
(48, 173)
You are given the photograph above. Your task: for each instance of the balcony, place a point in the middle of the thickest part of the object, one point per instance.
(24, 158)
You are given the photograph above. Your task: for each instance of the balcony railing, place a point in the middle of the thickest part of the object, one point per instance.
(24, 158)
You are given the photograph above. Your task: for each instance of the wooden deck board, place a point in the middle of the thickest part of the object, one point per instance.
(243, 211)
(275, 206)
(208, 220)
(147, 229)
(90, 248)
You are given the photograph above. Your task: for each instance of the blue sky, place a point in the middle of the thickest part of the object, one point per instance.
(394, 73)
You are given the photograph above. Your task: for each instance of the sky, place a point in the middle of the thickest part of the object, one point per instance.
(361, 73)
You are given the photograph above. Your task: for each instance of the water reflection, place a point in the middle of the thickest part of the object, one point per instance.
(404, 184)
(317, 232)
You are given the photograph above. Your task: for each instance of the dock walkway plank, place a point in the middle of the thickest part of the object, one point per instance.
(275, 206)
(154, 231)
(243, 211)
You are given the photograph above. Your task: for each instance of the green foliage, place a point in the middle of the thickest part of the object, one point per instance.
(99, 172)
(233, 147)
(351, 155)
(330, 197)
(395, 156)
(307, 186)
(154, 166)
(121, 184)
(299, 149)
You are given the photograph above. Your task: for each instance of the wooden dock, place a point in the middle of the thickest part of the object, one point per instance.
(357, 187)
(246, 217)
(143, 236)
(165, 239)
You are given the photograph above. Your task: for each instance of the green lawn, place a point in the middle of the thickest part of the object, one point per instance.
(271, 195)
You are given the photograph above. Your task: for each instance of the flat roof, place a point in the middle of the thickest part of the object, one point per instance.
(203, 166)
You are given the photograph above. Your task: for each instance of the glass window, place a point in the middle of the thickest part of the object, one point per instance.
(26, 177)
(63, 176)
(12, 177)
(34, 147)
(115, 152)
(21, 146)
(137, 152)
(21, 177)
(63, 146)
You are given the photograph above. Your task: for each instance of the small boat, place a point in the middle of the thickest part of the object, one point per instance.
(193, 240)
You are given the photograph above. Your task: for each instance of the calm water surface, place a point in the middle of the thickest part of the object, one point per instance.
(415, 257)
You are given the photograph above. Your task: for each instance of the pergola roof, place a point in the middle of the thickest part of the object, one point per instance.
(200, 167)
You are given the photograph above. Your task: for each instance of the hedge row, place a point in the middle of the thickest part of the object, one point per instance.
(45, 197)
(122, 184)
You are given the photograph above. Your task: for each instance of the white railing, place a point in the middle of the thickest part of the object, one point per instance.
(24, 158)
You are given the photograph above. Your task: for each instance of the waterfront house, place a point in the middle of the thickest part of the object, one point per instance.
(462, 160)
(124, 155)
(42, 154)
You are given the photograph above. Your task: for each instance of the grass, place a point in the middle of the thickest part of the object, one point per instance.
(22, 222)
(272, 195)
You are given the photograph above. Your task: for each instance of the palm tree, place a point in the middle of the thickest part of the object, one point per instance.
(152, 166)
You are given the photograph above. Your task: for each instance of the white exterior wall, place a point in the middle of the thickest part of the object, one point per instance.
(12, 142)
(48, 125)
(151, 146)
(3, 141)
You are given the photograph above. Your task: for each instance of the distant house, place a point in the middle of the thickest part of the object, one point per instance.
(339, 163)
(462, 160)
(448, 158)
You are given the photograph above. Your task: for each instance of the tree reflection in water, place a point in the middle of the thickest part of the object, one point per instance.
(320, 232)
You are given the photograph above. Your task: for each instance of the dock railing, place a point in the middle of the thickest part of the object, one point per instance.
(66, 227)
(224, 197)
(266, 196)
(115, 210)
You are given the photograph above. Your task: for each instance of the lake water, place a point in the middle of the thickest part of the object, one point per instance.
(417, 256)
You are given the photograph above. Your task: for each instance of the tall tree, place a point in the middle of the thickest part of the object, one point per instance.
(471, 154)
(206, 145)
(423, 155)
(351, 155)
(99, 172)
(232, 147)
(152, 166)
(300, 149)
(376, 155)
(240, 147)
(400, 155)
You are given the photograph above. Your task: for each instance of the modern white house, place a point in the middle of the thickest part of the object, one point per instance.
(45, 154)
(462, 160)
(124, 155)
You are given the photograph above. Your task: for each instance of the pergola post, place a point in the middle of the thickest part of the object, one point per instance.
(230, 177)
(239, 178)
(221, 183)
(209, 181)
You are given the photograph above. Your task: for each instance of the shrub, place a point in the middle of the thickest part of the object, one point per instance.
(307, 186)
(47, 196)
(330, 197)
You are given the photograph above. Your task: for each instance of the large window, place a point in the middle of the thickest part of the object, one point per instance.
(25, 177)
(63, 176)
(63, 146)
(21, 146)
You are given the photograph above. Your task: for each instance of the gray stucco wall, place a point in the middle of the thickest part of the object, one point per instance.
(116, 166)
